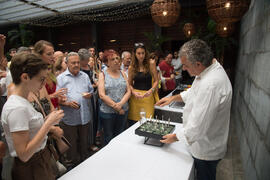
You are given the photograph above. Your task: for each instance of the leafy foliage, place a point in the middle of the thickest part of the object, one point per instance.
(217, 43)
(155, 42)
(21, 36)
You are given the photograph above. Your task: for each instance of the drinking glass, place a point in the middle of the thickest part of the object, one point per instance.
(143, 115)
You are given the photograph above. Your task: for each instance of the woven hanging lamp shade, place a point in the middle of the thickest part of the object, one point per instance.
(227, 10)
(189, 29)
(224, 29)
(165, 12)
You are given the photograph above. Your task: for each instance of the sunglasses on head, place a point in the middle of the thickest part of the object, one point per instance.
(138, 44)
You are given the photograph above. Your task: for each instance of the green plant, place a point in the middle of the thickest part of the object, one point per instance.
(20, 36)
(155, 42)
(217, 43)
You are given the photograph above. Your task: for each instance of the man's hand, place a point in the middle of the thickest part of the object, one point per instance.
(164, 101)
(73, 104)
(87, 95)
(169, 138)
(62, 99)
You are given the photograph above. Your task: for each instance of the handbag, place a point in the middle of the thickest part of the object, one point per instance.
(61, 145)
(58, 168)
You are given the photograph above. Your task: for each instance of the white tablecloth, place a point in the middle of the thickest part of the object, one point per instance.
(126, 157)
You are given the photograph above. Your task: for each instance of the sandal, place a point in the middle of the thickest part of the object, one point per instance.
(94, 148)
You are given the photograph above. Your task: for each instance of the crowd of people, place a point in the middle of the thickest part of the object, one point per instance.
(77, 95)
(49, 96)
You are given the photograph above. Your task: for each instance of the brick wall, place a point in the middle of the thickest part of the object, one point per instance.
(251, 100)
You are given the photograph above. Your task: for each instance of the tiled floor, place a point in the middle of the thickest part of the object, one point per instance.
(230, 168)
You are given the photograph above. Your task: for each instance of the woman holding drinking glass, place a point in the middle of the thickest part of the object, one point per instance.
(143, 80)
(46, 50)
(25, 128)
(114, 93)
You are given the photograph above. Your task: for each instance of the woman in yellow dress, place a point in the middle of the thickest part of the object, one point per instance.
(143, 80)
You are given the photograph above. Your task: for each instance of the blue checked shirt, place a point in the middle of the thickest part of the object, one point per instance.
(76, 85)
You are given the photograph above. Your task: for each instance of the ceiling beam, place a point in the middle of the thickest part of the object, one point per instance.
(39, 6)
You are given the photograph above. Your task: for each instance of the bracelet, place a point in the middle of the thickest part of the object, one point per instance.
(153, 90)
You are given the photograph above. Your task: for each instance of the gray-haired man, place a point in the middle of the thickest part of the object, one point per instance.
(206, 114)
(126, 60)
(75, 123)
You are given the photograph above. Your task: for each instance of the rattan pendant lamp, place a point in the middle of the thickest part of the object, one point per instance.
(165, 12)
(226, 13)
(189, 30)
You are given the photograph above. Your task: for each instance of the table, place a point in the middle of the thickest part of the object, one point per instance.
(127, 158)
(174, 111)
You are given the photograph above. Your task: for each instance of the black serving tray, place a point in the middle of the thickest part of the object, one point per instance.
(147, 130)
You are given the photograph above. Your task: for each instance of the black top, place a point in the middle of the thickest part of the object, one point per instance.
(142, 81)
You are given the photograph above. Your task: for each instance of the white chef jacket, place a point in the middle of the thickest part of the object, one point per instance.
(206, 114)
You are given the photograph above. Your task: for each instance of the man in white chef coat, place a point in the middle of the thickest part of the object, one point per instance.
(206, 114)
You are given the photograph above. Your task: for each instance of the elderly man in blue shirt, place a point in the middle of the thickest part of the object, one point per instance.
(75, 123)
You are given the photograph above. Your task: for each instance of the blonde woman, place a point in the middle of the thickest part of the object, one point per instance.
(46, 50)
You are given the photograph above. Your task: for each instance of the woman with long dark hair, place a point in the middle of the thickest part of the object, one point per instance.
(143, 80)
